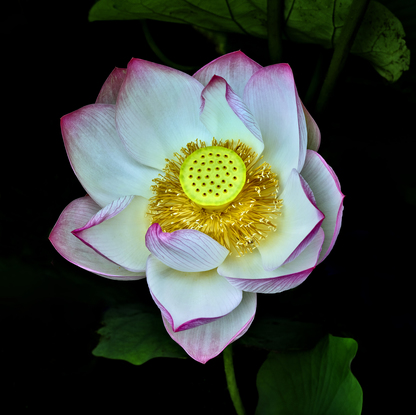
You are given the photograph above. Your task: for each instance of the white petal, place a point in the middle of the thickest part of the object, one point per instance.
(271, 96)
(205, 342)
(157, 112)
(99, 158)
(186, 250)
(118, 232)
(75, 215)
(314, 134)
(190, 299)
(235, 67)
(109, 91)
(299, 222)
(226, 116)
(329, 198)
(247, 272)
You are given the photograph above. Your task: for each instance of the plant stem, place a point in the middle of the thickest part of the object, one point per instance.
(316, 81)
(274, 29)
(341, 51)
(231, 382)
(160, 54)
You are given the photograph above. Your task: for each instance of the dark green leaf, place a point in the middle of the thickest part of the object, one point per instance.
(313, 382)
(379, 40)
(134, 333)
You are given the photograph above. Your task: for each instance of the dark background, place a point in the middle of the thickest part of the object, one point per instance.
(56, 62)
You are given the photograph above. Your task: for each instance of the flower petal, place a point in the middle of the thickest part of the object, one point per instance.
(158, 105)
(235, 67)
(76, 214)
(109, 91)
(98, 157)
(296, 227)
(303, 132)
(205, 342)
(271, 96)
(118, 232)
(329, 198)
(190, 299)
(186, 250)
(247, 272)
(226, 116)
(314, 135)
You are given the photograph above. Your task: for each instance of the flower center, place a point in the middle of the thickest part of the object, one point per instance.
(222, 190)
(212, 177)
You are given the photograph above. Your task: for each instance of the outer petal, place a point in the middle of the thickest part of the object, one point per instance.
(235, 67)
(226, 116)
(190, 299)
(248, 274)
(158, 112)
(186, 250)
(109, 91)
(314, 135)
(98, 157)
(329, 198)
(205, 342)
(118, 232)
(76, 214)
(296, 227)
(271, 96)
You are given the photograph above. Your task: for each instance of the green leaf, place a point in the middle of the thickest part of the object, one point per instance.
(279, 334)
(379, 39)
(313, 382)
(133, 332)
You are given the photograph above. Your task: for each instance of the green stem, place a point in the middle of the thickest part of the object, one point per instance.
(316, 81)
(274, 29)
(231, 382)
(341, 51)
(160, 54)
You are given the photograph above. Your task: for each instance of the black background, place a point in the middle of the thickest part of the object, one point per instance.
(56, 62)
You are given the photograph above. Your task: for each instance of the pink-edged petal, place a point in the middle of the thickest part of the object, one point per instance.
(226, 116)
(186, 250)
(297, 225)
(314, 134)
(190, 299)
(205, 342)
(118, 232)
(235, 67)
(75, 215)
(109, 91)
(303, 132)
(271, 96)
(158, 112)
(99, 158)
(247, 272)
(329, 198)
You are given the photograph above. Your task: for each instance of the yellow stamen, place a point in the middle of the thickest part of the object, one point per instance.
(241, 221)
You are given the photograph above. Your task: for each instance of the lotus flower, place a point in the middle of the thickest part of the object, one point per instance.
(209, 186)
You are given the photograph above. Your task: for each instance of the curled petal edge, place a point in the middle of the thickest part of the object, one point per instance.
(208, 341)
(73, 250)
(186, 250)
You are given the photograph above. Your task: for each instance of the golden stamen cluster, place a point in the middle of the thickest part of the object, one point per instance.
(242, 224)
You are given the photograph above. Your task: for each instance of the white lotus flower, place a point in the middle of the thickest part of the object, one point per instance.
(209, 186)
